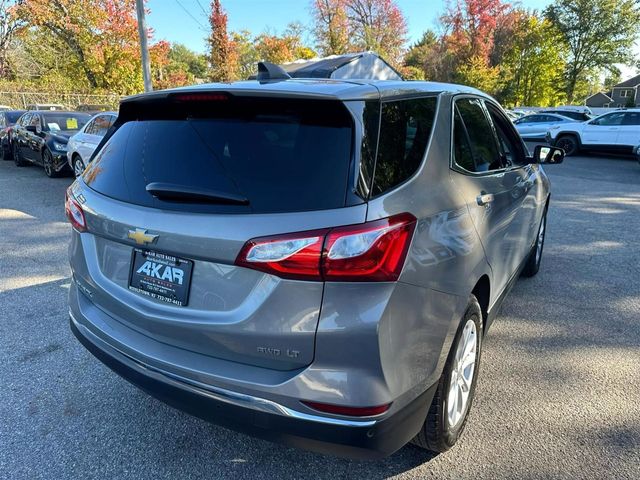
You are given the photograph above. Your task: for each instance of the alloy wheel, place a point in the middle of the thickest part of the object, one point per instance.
(464, 369)
(16, 155)
(567, 144)
(47, 163)
(540, 240)
(78, 167)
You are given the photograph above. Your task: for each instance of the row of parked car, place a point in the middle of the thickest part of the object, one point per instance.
(578, 130)
(58, 140)
(63, 141)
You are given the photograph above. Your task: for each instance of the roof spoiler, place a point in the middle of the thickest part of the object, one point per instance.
(270, 71)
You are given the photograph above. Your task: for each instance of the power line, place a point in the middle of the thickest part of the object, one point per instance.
(202, 8)
(190, 14)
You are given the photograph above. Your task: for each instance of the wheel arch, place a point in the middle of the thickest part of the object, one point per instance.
(482, 291)
(569, 133)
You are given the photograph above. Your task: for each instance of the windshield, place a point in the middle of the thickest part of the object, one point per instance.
(281, 155)
(56, 121)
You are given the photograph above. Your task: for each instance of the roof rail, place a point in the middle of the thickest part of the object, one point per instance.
(270, 71)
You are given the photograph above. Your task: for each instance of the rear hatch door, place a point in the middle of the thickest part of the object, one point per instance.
(175, 192)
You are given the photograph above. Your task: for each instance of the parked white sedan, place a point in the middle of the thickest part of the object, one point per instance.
(82, 145)
(617, 131)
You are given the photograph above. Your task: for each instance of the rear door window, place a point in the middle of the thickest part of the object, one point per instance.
(631, 118)
(511, 147)
(283, 155)
(405, 129)
(89, 130)
(480, 135)
(101, 124)
(611, 119)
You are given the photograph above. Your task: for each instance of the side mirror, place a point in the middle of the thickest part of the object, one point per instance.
(32, 128)
(548, 155)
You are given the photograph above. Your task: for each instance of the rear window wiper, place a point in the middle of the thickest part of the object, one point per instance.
(184, 193)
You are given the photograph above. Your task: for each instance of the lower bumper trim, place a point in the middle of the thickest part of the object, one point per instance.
(363, 439)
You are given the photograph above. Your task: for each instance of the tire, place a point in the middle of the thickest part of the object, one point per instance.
(17, 157)
(78, 166)
(441, 430)
(47, 163)
(569, 143)
(535, 256)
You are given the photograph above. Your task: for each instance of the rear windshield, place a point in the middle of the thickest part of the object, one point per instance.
(281, 155)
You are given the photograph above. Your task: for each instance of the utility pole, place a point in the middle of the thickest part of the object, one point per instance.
(142, 32)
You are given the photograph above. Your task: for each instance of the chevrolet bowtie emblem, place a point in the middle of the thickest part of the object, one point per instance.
(141, 237)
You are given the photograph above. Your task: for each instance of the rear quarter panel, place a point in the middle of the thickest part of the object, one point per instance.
(444, 262)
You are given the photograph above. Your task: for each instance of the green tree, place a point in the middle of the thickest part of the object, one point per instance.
(614, 76)
(533, 64)
(598, 33)
(419, 54)
(246, 52)
(477, 73)
(183, 59)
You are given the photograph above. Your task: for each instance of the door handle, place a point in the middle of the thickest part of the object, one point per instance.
(484, 199)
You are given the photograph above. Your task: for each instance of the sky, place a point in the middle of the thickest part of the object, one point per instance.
(185, 21)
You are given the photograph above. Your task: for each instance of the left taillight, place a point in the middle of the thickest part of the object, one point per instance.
(295, 256)
(74, 212)
(369, 252)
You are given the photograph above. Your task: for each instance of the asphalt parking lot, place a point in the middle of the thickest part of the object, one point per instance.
(558, 395)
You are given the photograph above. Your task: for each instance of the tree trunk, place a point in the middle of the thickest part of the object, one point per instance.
(571, 86)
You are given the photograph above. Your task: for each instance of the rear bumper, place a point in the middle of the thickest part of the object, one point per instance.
(365, 438)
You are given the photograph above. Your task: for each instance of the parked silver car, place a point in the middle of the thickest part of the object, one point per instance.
(314, 262)
(535, 127)
(82, 145)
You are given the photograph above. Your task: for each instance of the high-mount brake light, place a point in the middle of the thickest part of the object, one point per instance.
(369, 252)
(74, 212)
(200, 97)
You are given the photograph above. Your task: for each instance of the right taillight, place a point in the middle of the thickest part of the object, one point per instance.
(74, 212)
(369, 252)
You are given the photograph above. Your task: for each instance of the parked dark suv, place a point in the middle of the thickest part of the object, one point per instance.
(311, 261)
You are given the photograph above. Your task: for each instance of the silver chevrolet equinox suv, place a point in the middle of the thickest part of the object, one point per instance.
(313, 262)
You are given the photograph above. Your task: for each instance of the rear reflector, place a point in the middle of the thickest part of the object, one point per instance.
(74, 212)
(368, 252)
(349, 411)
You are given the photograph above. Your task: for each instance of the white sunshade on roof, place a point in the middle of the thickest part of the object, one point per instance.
(363, 66)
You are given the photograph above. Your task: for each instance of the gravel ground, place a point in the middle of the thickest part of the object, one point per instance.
(558, 396)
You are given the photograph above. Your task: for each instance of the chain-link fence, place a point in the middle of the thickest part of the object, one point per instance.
(21, 100)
